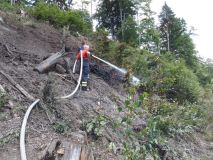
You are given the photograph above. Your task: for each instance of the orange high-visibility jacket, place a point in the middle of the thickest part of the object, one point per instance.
(85, 54)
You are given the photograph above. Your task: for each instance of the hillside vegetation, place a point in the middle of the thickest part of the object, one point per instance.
(169, 114)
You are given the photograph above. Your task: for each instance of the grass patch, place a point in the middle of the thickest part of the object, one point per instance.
(9, 138)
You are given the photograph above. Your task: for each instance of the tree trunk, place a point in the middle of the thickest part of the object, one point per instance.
(46, 64)
(76, 149)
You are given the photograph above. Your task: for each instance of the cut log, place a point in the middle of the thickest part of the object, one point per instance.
(86, 154)
(52, 60)
(22, 90)
(75, 151)
(47, 63)
(68, 150)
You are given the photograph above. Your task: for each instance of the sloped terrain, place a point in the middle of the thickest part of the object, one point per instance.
(23, 45)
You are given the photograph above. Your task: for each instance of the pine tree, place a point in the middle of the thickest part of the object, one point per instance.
(167, 18)
(174, 36)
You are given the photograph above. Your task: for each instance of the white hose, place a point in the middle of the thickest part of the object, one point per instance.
(110, 64)
(23, 127)
(73, 70)
(79, 79)
(24, 123)
(134, 81)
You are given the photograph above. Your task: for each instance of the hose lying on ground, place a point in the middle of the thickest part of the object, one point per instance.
(23, 127)
(24, 123)
(79, 79)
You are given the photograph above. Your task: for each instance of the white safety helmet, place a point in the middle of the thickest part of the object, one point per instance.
(86, 47)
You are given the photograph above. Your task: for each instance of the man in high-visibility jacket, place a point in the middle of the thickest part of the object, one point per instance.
(86, 69)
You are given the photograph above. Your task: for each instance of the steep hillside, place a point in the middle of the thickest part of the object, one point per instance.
(23, 45)
(115, 126)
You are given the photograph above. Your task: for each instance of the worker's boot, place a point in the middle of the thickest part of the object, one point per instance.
(88, 85)
(84, 85)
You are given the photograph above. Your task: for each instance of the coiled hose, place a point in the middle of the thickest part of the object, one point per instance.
(23, 127)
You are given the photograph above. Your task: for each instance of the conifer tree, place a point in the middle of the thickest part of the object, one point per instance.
(175, 37)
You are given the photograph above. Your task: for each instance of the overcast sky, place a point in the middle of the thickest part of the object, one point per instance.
(197, 13)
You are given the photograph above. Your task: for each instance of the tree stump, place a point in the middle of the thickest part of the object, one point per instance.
(75, 149)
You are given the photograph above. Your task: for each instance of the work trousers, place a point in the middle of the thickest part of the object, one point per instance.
(86, 69)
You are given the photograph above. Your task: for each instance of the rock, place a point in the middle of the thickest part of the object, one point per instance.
(26, 63)
(138, 124)
(60, 151)
(10, 104)
(98, 103)
(60, 69)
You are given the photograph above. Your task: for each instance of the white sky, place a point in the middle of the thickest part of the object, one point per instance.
(196, 13)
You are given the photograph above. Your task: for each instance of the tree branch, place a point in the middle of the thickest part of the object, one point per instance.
(22, 90)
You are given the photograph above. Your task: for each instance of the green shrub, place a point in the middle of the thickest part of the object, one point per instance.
(178, 82)
(5, 6)
(163, 122)
(142, 144)
(167, 116)
(163, 75)
(96, 126)
(10, 137)
(77, 21)
(60, 127)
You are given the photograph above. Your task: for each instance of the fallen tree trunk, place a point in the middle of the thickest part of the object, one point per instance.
(22, 90)
(47, 63)
(52, 60)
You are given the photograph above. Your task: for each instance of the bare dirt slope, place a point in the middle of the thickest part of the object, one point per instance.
(24, 44)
